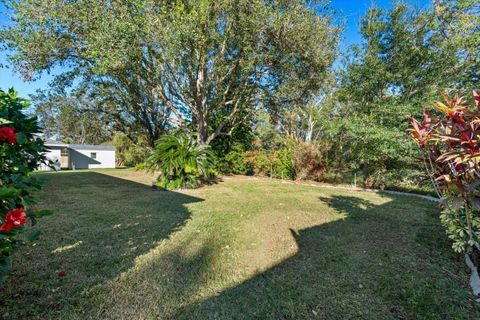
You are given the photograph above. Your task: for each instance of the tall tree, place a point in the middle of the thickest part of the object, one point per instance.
(406, 58)
(178, 63)
(306, 120)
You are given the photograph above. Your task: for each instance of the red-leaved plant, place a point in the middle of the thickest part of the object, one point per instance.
(451, 145)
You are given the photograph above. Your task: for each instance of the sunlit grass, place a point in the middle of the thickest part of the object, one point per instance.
(243, 248)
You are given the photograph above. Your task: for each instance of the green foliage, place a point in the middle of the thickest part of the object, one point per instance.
(181, 162)
(457, 227)
(200, 64)
(129, 153)
(267, 133)
(369, 146)
(234, 161)
(283, 168)
(277, 164)
(21, 151)
(140, 166)
(73, 118)
(405, 56)
(259, 163)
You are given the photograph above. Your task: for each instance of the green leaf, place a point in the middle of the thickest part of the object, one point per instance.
(16, 177)
(21, 138)
(8, 192)
(21, 186)
(4, 121)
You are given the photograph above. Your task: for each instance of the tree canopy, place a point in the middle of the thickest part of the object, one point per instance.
(164, 64)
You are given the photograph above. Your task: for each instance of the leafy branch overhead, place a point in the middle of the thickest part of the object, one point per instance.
(163, 64)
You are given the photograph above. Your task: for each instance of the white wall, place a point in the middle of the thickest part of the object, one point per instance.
(52, 154)
(81, 159)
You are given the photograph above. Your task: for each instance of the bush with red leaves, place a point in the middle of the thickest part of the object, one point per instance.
(450, 139)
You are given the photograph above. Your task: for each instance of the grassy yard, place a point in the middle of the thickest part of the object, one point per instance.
(244, 248)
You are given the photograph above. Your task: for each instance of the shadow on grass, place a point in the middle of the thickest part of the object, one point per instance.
(379, 262)
(101, 224)
(370, 265)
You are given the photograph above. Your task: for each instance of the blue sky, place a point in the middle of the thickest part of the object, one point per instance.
(350, 10)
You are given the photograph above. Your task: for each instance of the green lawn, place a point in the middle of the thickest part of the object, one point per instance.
(244, 248)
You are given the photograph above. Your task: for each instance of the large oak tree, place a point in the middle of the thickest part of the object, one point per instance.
(178, 63)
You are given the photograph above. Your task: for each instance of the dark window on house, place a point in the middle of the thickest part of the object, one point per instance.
(93, 155)
(64, 152)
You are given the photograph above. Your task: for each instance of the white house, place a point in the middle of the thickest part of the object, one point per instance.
(79, 156)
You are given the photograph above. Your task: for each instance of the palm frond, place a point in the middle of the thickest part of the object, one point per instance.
(181, 162)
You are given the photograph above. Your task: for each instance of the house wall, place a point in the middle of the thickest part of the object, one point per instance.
(81, 159)
(52, 154)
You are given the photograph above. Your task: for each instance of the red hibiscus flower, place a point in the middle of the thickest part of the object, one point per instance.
(7, 134)
(14, 219)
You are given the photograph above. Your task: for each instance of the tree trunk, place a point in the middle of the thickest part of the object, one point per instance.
(474, 277)
(202, 125)
(470, 254)
(202, 130)
(309, 133)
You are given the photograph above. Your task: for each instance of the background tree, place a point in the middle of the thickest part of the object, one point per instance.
(407, 56)
(305, 122)
(71, 118)
(191, 64)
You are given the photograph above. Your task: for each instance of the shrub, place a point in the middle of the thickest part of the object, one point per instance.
(20, 154)
(140, 167)
(451, 145)
(234, 161)
(283, 163)
(129, 153)
(404, 179)
(181, 162)
(259, 163)
(308, 162)
(277, 164)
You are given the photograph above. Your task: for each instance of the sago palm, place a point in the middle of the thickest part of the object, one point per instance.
(180, 161)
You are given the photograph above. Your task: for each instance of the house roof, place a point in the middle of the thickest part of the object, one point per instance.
(54, 143)
(90, 147)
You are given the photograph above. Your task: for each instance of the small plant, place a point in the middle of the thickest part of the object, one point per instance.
(20, 154)
(451, 145)
(181, 162)
(284, 163)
